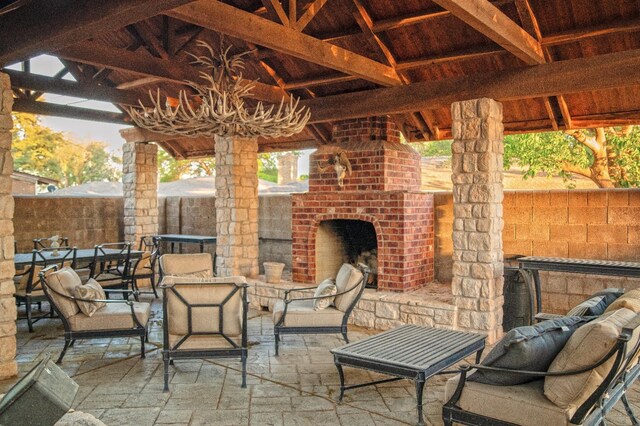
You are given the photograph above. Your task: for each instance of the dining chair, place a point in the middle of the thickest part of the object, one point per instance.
(29, 288)
(111, 266)
(40, 243)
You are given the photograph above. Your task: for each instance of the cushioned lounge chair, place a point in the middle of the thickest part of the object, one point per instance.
(296, 315)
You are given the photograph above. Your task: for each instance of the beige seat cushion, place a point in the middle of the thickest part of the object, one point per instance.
(64, 281)
(179, 264)
(348, 277)
(204, 319)
(589, 344)
(301, 314)
(629, 300)
(90, 291)
(523, 404)
(114, 316)
(202, 342)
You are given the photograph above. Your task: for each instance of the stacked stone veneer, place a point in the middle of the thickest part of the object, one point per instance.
(140, 186)
(382, 189)
(236, 206)
(8, 366)
(287, 169)
(477, 204)
(376, 309)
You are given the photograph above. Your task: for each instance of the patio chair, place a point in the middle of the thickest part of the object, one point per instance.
(193, 265)
(115, 318)
(28, 287)
(144, 268)
(116, 272)
(297, 315)
(204, 318)
(40, 243)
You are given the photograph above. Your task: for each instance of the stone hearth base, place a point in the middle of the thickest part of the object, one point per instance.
(429, 306)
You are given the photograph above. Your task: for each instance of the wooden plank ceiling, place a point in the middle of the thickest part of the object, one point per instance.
(555, 64)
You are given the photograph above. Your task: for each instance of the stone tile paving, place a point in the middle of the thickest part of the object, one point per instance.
(299, 387)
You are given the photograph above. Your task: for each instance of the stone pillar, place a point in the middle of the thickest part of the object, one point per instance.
(236, 206)
(477, 205)
(140, 182)
(8, 366)
(287, 169)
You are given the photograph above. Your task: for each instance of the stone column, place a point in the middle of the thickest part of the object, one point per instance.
(140, 183)
(236, 206)
(8, 366)
(287, 169)
(477, 205)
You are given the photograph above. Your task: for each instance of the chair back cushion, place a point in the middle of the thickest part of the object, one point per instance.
(588, 345)
(325, 288)
(22, 285)
(182, 292)
(629, 300)
(64, 281)
(348, 277)
(91, 290)
(183, 264)
(596, 304)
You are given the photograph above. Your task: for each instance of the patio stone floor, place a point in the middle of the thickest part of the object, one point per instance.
(299, 387)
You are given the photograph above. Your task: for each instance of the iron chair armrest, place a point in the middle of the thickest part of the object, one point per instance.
(543, 316)
(289, 300)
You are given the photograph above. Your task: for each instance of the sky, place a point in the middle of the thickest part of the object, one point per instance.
(88, 131)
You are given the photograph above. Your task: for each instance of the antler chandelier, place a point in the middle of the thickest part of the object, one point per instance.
(219, 107)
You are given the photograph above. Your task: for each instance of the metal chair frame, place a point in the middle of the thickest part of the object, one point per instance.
(279, 327)
(38, 243)
(119, 266)
(147, 244)
(169, 353)
(623, 373)
(70, 336)
(67, 254)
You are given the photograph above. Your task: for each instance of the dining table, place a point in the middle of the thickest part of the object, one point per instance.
(22, 260)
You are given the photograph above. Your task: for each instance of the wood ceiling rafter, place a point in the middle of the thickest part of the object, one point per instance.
(120, 59)
(530, 24)
(490, 21)
(421, 120)
(309, 13)
(144, 34)
(275, 8)
(46, 108)
(607, 71)
(234, 22)
(29, 37)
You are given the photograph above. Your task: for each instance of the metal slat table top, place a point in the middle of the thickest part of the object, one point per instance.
(82, 255)
(180, 238)
(589, 266)
(410, 346)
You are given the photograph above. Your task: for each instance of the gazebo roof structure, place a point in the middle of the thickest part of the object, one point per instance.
(554, 64)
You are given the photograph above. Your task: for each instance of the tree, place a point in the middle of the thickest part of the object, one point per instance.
(41, 151)
(433, 149)
(171, 169)
(610, 157)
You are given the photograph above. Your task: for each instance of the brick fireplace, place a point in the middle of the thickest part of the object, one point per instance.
(378, 216)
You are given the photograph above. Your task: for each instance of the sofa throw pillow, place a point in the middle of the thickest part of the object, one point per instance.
(346, 281)
(325, 288)
(629, 300)
(91, 290)
(531, 348)
(588, 345)
(596, 304)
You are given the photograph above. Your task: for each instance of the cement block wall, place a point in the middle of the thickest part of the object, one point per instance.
(86, 221)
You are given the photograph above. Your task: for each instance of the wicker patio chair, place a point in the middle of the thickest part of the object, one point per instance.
(204, 318)
(117, 318)
(28, 286)
(297, 315)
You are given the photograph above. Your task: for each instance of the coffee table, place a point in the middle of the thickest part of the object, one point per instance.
(408, 352)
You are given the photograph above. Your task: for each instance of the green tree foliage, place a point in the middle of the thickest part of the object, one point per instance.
(41, 151)
(268, 165)
(171, 169)
(610, 157)
(433, 149)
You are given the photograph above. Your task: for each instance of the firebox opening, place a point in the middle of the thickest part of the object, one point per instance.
(346, 241)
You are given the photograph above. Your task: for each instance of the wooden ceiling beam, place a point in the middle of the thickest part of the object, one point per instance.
(570, 36)
(57, 110)
(310, 12)
(318, 81)
(275, 8)
(234, 22)
(122, 60)
(460, 55)
(42, 26)
(608, 71)
(58, 86)
(495, 25)
(154, 46)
